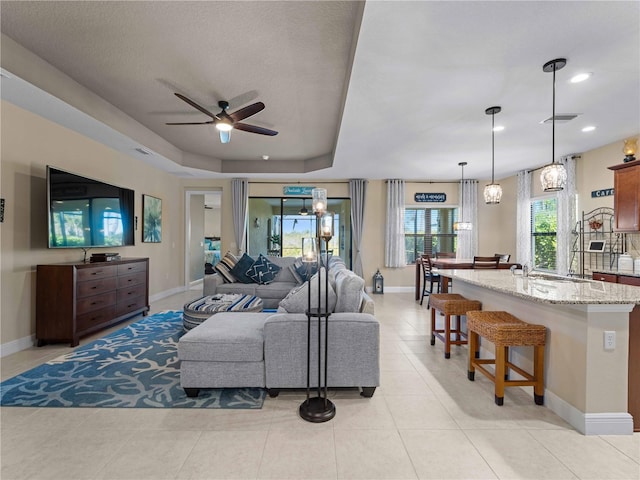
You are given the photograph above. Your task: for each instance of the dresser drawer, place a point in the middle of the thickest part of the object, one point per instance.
(130, 304)
(94, 273)
(90, 320)
(125, 281)
(628, 280)
(605, 277)
(95, 287)
(127, 268)
(96, 302)
(124, 294)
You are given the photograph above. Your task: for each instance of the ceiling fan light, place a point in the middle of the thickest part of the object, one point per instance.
(492, 193)
(224, 126)
(553, 177)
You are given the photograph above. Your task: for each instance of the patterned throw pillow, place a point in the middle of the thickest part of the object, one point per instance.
(239, 270)
(263, 271)
(224, 266)
(302, 271)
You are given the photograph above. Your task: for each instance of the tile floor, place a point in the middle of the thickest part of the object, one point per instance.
(425, 421)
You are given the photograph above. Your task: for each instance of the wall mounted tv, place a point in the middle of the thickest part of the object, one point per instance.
(86, 213)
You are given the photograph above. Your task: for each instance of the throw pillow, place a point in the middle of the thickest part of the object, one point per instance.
(297, 301)
(262, 271)
(306, 271)
(224, 266)
(293, 268)
(239, 270)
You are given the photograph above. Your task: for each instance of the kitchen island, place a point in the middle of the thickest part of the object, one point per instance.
(585, 384)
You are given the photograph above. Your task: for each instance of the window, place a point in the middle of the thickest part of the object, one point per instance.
(544, 222)
(429, 230)
(276, 227)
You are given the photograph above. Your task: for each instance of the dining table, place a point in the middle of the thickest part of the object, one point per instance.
(450, 264)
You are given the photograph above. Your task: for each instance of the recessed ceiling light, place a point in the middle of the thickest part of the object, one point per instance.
(265, 157)
(589, 128)
(580, 77)
(498, 128)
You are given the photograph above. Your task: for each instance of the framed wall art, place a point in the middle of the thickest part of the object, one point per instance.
(151, 219)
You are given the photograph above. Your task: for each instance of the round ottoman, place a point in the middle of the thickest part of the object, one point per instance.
(197, 311)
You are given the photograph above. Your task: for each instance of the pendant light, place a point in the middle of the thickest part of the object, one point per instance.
(553, 176)
(303, 210)
(462, 225)
(493, 191)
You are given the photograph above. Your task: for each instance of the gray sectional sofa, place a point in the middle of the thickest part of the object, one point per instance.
(271, 293)
(269, 350)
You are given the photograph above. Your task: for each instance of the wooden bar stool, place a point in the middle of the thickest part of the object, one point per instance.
(450, 304)
(504, 331)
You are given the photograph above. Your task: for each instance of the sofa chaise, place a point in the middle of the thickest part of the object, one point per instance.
(269, 350)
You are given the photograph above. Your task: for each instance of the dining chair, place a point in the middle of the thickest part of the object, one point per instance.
(486, 262)
(504, 257)
(428, 277)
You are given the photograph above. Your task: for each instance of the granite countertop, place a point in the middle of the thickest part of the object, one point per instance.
(547, 288)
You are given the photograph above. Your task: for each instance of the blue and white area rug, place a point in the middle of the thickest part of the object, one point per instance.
(135, 367)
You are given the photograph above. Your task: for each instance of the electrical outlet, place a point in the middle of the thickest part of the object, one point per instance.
(609, 340)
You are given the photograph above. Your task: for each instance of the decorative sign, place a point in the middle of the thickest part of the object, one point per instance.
(605, 192)
(297, 190)
(430, 197)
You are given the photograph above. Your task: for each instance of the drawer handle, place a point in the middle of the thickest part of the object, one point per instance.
(131, 305)
(96, 303)
(93, 288)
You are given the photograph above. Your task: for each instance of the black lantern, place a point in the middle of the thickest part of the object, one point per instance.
(378, 282)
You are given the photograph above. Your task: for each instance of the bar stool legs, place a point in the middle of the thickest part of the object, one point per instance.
(504, 331)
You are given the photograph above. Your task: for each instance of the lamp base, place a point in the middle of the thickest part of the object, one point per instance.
(317, 410)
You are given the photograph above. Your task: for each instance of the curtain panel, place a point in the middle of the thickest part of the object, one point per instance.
(523, 226)
(394, 252)
(239, 201)
(357, 192)
(468, 239)
(566, 218)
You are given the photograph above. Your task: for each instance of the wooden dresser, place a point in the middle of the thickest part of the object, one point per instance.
(75, 299)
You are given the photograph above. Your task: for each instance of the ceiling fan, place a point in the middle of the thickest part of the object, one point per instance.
(225, 122)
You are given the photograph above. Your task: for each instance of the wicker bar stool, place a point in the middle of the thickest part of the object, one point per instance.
(504, 331)
(450, 304)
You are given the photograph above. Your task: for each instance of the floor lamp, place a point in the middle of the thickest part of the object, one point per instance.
(319, 408)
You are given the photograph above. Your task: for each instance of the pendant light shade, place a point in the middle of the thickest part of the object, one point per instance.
(493, 191)
(553, 176)
(462, 225)
(303, 210)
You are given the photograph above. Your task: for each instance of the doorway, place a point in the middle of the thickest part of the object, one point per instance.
(202, 233)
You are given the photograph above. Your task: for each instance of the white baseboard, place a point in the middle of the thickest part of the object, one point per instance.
(167, 293)
(16, 346)
(394, 289)
(614, 423)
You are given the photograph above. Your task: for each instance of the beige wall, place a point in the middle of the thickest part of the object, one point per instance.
(29, 143)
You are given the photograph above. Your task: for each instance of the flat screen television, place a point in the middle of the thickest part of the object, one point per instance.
(87, 213)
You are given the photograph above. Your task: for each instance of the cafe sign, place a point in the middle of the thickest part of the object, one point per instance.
(605, 192)
(297, 190)
(430, 197)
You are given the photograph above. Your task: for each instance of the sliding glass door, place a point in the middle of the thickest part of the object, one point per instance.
(277, 225)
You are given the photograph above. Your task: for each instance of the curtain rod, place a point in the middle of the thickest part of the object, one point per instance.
(435, 181)
(300, 183)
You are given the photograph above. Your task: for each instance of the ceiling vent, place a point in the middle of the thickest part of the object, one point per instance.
(562, 118)
(143, 151)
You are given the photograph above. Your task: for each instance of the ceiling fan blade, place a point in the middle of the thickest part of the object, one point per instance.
(225, 137)
(247, 111)
(190, 123)
(254, 129)
(196, 106)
